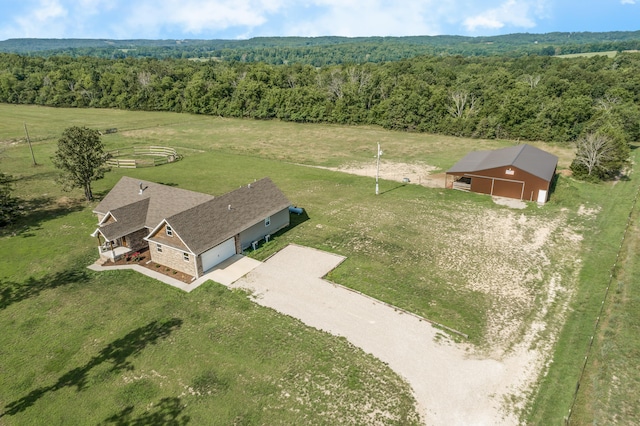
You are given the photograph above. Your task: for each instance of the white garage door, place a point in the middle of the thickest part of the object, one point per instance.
(219, 253)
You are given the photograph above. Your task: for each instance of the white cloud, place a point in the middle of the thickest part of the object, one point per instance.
(516, 13)
(46, 16)
(250, 18)
(196, 16)
(628, 1)
(351, 18)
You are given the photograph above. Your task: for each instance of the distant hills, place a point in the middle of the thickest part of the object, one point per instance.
(320, 51)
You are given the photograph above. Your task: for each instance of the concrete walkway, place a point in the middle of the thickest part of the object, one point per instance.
(224, 273)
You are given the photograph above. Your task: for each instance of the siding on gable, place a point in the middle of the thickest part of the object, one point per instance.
(174, 241)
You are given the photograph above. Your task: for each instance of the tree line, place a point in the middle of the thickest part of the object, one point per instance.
(330, 50)
(526, 98)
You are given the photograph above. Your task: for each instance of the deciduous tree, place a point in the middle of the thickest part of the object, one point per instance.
(8, 204)
(81, 158)
(600, 155)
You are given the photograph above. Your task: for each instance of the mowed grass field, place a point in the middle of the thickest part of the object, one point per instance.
(134, 349)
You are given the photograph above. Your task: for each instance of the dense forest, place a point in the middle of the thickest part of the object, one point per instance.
(322, 51)
(526, 98)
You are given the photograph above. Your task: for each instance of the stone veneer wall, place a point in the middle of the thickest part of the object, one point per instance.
(173, 259)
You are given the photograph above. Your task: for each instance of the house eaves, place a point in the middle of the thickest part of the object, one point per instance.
(164, 201)
(210, 223)
(127, 219)
(525, 157)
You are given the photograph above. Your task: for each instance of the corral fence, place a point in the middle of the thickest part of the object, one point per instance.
(142, 156)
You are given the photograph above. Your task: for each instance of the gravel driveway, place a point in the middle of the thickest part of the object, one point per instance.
(450, 387)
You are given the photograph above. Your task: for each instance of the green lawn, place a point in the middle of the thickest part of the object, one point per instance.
(80, 347)
(608, 53)
(452, 257)
(611, 383)
(608, 390)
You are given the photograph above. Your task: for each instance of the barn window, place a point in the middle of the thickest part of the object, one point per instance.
(267, 221)
(169, 231)
(185, 257)
(158, 248)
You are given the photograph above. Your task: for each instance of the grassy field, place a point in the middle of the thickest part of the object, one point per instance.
(609, 53)
(611, 378)
(607, 393)
(452, 257)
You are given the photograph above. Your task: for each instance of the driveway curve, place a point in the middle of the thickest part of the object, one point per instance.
(451, 387)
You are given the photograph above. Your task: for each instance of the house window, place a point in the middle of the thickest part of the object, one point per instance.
(158, 248)
(169, 231)
(267, 221)
(185, 257)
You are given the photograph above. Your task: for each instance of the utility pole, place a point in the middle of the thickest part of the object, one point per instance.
(30, 147)
(378, 168)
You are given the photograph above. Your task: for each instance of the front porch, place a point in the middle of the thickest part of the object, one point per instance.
(112, 252)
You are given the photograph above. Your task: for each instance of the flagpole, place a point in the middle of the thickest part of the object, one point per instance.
(378, 170)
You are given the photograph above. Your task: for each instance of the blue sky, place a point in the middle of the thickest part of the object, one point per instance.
(241, 19)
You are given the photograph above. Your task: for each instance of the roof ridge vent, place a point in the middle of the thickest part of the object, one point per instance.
(229, 207)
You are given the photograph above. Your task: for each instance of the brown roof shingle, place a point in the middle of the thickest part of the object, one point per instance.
(201, 221)
(212, 222)
(128, 219)
(164, 200)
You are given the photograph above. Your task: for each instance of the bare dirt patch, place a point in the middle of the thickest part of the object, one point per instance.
(416, 173)
(510, 202)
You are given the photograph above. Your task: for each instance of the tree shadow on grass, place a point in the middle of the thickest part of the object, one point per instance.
(166, 412)
(117, 353)
(12, 292)
(37, 210)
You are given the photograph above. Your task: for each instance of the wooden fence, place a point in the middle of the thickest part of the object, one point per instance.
(158, 155)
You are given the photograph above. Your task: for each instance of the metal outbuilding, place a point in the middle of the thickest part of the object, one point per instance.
(523, 172)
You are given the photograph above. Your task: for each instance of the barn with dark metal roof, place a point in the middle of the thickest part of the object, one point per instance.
(523, 172)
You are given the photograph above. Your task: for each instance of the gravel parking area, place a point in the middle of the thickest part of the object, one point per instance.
(451, 386)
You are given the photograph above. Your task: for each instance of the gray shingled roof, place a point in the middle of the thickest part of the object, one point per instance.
(525, 157)
(210, 223)
(129, 218)
(200, 220)
(164, 200)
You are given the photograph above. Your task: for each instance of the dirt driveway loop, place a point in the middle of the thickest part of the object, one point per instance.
(450, 386)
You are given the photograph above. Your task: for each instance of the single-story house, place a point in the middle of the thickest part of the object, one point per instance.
(523, 172)
(185, 230)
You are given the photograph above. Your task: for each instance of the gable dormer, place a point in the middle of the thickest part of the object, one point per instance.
(165, 234)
